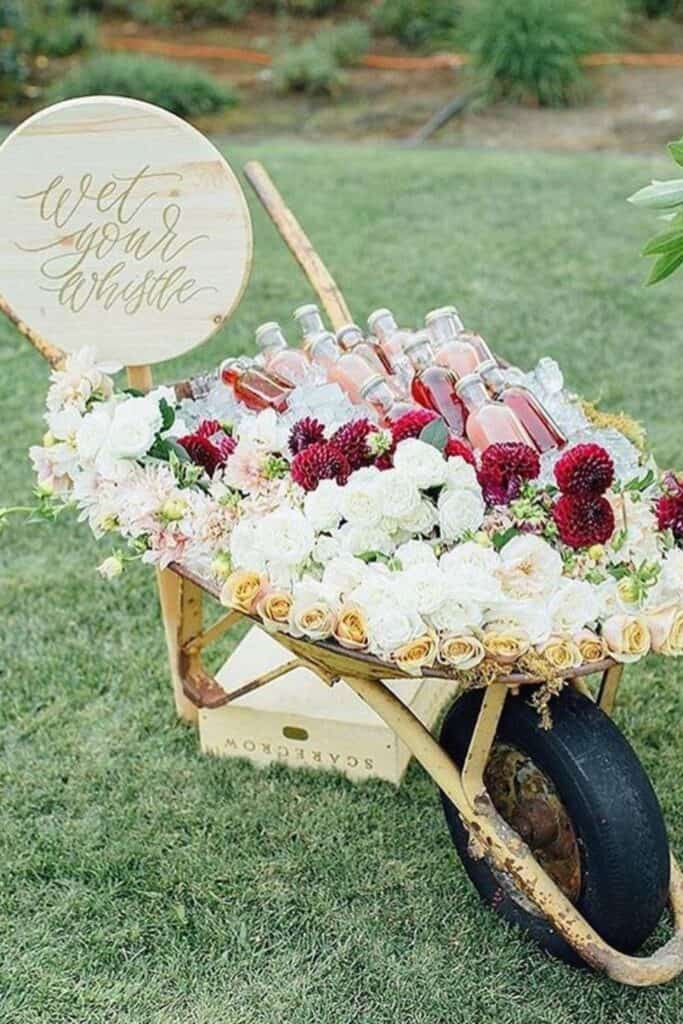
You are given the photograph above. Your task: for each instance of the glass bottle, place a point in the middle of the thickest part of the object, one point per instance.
(351, 373)
(435, 387)
(377, 394)
(309, 321)
(253, 386)
(351, 339)
(289, 363)
(480, 346)
(391, 341)
(451, 349)
(535, 419)
(488, 422)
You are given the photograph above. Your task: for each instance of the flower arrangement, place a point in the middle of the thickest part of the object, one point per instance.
(396, 541)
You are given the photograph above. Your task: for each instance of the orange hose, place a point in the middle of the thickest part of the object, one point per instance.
(204, 51)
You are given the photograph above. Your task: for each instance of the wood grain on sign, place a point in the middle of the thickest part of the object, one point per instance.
(121, 227)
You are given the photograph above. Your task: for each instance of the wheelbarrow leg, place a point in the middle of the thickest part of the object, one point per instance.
(508, 852)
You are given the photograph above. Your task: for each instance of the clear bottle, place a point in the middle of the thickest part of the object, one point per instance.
(378, 395)
(309, 321)
(323, 351)
(435, 387)
(254, 386)
(451, 349)
(351, 339)
(488, 422)
(391, 341)
(536, 420)
(289, 363)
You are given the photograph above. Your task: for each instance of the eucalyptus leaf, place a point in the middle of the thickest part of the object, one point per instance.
(668, 241)
(665, 265)
(676, 150)
(660, 194)
(167, 414)
(436, 434)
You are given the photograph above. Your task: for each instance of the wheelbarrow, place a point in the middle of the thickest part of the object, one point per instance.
(559, 830)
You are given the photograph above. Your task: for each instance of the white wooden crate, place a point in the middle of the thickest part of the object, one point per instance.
(299, 721)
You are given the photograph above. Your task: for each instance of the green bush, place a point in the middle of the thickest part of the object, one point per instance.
(54, 28)
(533, 48)
(345, 43)
(308, 8)
(195, 12)
(180, 88)
(308, 68)
(656, 8)
(418, 22)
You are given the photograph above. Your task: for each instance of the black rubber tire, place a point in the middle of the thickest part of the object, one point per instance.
(612, 806)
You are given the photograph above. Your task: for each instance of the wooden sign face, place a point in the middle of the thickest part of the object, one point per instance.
(121, 227)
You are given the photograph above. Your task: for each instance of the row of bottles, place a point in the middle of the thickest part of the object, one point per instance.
(442, 367)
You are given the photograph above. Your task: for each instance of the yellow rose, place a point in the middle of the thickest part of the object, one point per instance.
(627, 637)
(561, 653)
(275, 608)
(592, 647)
(506, 647)
(461, 652)
(666, 629)
(352, 629)
(241, 590)
(316, 621)
(416, 654)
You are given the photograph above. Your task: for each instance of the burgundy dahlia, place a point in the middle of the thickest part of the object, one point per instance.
(505, 468)
(202, 452)
(411, 424)
(304, 433)
(207, 428)
(352, 440)
(669, 510)
(319, 461)
(583, 520)
(586, 469)
(456, 447)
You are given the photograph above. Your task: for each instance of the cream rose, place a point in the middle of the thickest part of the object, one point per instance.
(420, 462)
(666, 630)
(321, 506)
(351, 630)
(461, 652)
(134, 425)
(313, 611)
(416, 654)
(460, 512)
(530, 568)
(561, 653)
(275, 608)
(627, 637)
(593, 648)
(506, 647)
(241, 590)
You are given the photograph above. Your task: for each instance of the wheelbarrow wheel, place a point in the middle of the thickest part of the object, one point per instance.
(579, 797)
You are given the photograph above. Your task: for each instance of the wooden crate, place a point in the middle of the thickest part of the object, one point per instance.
(300, 722)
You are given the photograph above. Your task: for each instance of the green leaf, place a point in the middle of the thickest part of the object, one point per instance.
(167, 414)
(134, 392)
(668, 241)
(665, 265)
(500, 539)
(436, 434)
(641, 483)
(676, 150)
(661, 195)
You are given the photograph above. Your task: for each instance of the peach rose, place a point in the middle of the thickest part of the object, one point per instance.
(275, 608)
(241, 590)
(561, 653)
(627, 636)
(666, 630)
(417, 654)
(506, 647)
(461, 652)
(592, 647)
(352, 629)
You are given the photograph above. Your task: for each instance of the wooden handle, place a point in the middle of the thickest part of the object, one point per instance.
(315, 270)
(54, 356)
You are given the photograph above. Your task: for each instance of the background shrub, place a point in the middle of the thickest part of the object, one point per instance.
(418, 22)
(657, 8)
(346, 43)
(532, 48)
(315, 66)
(54, 28)
(180, 88)
(310, 8)
(195, 12)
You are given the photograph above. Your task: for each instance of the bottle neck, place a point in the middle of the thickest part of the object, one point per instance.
(384, 326)
(378, 394)
(421, 356)
(310, 322)
(472, 392)
(443, 329)
(323, 348)
(349, 337)
(492, 377)
(271, 346)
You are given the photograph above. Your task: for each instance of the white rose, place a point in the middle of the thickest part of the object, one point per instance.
(265, 431)
(399, 498)
(374, 590)
(391, 626)
(326, 548)
(245, 552)
(416, 552)
(672, 572)
(425, 586)
(358, 540)
(285, 536)
(530, 568)
(360, 501)
(573, 606)
(421, 463)
(456, 614)
(472, 572)
(460, 512)
(343, 574)
(134, 426)
(530, 617)
(422, 521)
(93, 431)
(321, 506)
(461, 475)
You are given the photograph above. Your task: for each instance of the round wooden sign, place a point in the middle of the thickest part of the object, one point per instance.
(121, 227)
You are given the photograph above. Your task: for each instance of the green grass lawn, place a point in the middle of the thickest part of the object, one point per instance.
(141, 882)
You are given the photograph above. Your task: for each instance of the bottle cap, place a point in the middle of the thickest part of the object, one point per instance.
(466, 381)
(486, 365)
(318, 339)
(378, 314)
(262, 332)
(418, 339)
(371, 383)
(306, 310)
(347, 329)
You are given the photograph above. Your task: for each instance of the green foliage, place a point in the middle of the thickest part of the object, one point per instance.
(532, 48)
(307, 8)
(193, 12)
(656, 8)
(315, 66)
(418, 22)
(12, 66)
(182, 89)
(55, 29)
(667, 197)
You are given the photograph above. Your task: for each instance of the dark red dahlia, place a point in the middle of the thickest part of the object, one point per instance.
(319, 461)
(583, 520)
(411, 424)
(669, 510)
(304, 433)
(202, 452)
(586, 469)
(226, 444)
(455, 447)
(505, 468)
(352, 440)
(207, 428)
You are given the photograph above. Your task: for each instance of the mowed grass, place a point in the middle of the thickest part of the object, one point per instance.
(141, 882)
